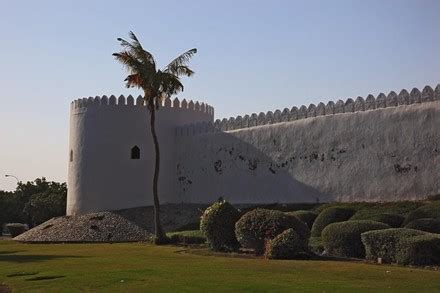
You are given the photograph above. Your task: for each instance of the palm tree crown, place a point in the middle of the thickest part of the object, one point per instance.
(157, 84)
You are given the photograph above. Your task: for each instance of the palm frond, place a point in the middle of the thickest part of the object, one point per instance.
(129, 61)
(181, 60)
(136, 49)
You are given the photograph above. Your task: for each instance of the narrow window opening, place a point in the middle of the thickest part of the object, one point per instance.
(71, 156)
(135, 153)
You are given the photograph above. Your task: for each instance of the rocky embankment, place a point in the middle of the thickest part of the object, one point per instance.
(136, 224)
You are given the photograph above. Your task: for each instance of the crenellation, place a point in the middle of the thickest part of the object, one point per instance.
(176, 103)
(427, 94)
(121, 100)
(112, 100)
(104, 100)
(277, 116)
(437, 92)
(253, 120)
(320, 109)
(349, 106)
(391, 100)
(261, 119)
(403, 98)
(294, 114)
(339, 107)
(415, 96)
(370, 103)
(285, 115)
(130, 100)
(302, 112)
(139, 101)
(269, 118)
(330, 108)
(311, 110)
(191, 105)
(359, 104)
(381, 101)
(167, 103)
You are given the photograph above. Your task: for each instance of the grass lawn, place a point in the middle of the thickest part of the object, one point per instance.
(142, 267)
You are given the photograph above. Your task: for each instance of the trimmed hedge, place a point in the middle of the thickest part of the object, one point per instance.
(425, 224)
(307, 217)
(386, 243)
(431, 210)
(344, 238)
(419, 250)
(218, 225)
(328, 216)
(260, 225)
(287, 245)
(187, 237)
(392, 220)
(16, 229)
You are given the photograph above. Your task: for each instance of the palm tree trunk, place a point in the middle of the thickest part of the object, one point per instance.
(160, 236)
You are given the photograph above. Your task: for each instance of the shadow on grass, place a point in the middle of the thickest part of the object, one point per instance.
(42, 278)
(22, 274)
(10, 252)
(10, 256)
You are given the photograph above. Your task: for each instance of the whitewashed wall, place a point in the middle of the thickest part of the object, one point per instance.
(381, 154)
(102, 176)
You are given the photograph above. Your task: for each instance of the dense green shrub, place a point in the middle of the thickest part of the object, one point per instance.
(392, 220)
(16, 229)
(425, 224)
(386, 243)
(328, 216)
(218, 225)
(419, 250)
(258, 226)
(307, 217)
(315, 245)
(344, 238)
(431, 210)
(287, 245)
(187, 237)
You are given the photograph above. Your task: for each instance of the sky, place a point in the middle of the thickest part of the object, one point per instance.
(253, 56)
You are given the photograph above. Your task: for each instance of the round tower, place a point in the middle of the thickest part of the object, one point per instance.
(111, 152)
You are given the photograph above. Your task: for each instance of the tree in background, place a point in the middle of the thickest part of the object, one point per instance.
(33, 202)
(157, 84)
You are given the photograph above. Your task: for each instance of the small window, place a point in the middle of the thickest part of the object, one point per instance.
(71, 156)
(135, 153)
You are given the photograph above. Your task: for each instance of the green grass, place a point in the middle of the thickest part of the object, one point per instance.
(144, 267)
(190, 233)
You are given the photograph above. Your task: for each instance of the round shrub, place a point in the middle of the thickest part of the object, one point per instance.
(386, 243)
(287, 245)
(431, 210)
(307, 217)
(16, 229)
(392, 220)
(328, 216)
(218, 225)
(419, 250)
(344, 238)
(257, 226)
(425, 224)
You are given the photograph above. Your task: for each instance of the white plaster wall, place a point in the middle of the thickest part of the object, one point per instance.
(378, 155)
(102, 176)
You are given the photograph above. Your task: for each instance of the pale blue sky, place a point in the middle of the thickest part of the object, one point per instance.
(253, 56)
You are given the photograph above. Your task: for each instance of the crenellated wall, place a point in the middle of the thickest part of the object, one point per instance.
(357, 105)
(378, 149)
(382, 148)
(103, 131)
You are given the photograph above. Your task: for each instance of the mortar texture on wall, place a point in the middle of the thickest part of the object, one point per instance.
(386, 154)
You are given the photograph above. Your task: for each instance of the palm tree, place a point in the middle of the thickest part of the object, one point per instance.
(157, 84)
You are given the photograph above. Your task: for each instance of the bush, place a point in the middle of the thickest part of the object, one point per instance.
(392, 220)
(386, 243)
(344, 238)
(307, 217)
(287, 245)
(258, 226)
(16, 229)
(187, 237)
(431, 210)
(218, 225)
(427, 225)
(419, 250)
(328, 216)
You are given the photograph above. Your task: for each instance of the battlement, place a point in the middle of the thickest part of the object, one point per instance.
(130, 101)
(331, 108)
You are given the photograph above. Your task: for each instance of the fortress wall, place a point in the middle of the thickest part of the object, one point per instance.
(388, 151)
(102, 176)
